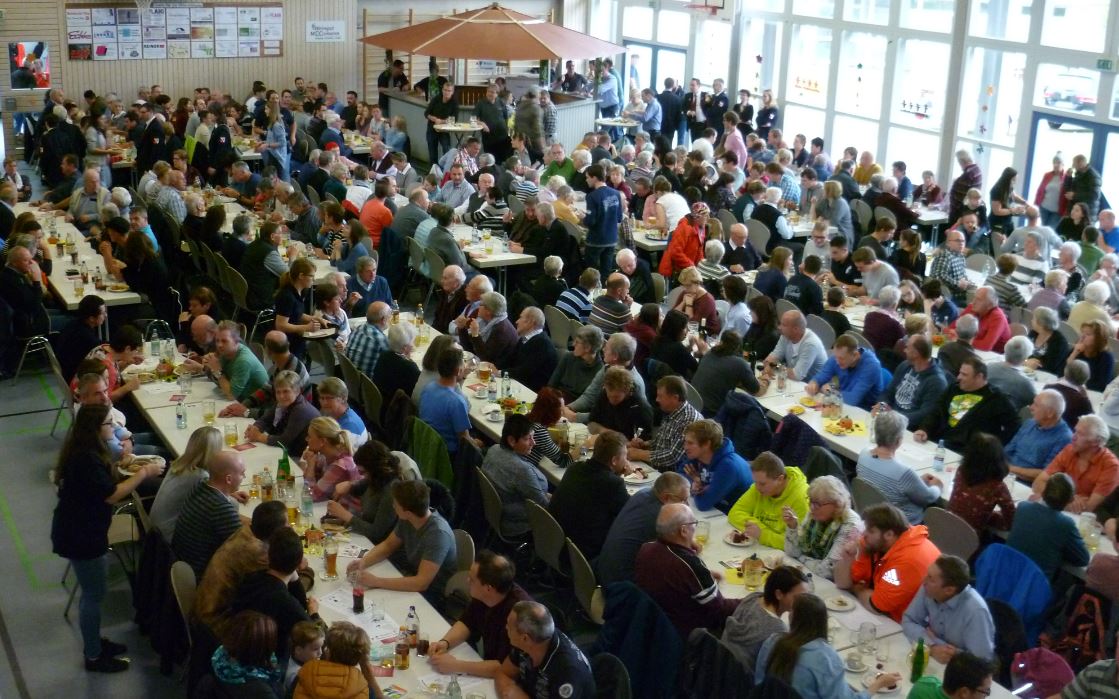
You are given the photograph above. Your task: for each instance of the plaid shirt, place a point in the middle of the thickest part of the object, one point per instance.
(790, 188)
(366, 346)
(551, 120)
(949, 268)
(668, 443)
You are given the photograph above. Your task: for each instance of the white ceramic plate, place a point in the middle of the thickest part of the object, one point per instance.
(839, 603)
(728, 539)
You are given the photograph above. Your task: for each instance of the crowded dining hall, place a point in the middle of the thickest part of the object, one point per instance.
(597, 349)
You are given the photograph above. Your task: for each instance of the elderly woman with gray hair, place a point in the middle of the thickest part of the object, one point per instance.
(818, 541)
(286, 422)
(1051, 347)
(882, 326)
(578, 368)
(899, 484)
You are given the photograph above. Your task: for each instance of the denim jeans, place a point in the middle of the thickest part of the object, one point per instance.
(437, 144)
(92, 577)
(1049, 218)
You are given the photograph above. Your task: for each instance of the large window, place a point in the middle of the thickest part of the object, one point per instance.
(872, 11)
(711, 54)
(862, 69)
(992, 161)
(860, 133)
(919, 151)
(807, 121)
(991, 97)
(1075, 24)
(637, 23)
(919, 79)
(1002, 19)
(674, 27)
(928, 15)
(815, 8)
(1067, 89)
(760, 39)
(809, 65)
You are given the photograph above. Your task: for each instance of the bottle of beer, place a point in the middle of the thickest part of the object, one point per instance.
(703, 329)
(266, 485)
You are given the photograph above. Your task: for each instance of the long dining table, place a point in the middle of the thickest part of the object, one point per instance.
(158, 401)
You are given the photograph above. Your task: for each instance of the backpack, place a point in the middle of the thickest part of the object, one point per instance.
(1084, 640)
(1044, 671)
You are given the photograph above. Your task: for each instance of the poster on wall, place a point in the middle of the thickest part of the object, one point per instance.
(178, 49)
(176, 32)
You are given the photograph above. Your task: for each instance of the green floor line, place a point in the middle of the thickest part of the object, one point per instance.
(29, 430)
(22, 553)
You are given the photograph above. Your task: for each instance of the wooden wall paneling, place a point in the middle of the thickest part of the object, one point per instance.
(29, 21)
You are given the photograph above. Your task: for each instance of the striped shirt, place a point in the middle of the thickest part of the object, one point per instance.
(1029, 271)
(209, 517)
(609, 314)
(900, 484)
(1009, 295)
(490, 215)
(524, 189)
(576, 303)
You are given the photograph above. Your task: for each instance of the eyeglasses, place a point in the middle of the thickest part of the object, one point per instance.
(691, 523)
(819, 503)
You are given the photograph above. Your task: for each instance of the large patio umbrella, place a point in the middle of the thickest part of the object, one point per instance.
(493, 33)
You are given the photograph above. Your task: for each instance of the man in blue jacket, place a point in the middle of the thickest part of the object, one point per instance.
(858, 370)
(604, 213)
(718, 475)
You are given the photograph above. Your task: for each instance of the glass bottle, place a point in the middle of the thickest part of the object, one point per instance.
(180, 416)
(412, 625)
(938, 457)
(506, 386)
(402, 650)
(266, 485)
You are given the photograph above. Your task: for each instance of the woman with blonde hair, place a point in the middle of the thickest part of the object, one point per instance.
(834, 208)
(818, 541)
(696, 302)
(292, 297)
(184, 474)
(328, 459)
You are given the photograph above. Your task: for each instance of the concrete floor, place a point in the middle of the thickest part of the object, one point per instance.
(42, 651)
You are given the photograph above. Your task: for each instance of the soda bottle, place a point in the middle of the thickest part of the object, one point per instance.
(703, 329)
(266, 485)
(412, 624)
(283, 466)
(419, 314)
(920, 657)
(84, 272)
(938, 457)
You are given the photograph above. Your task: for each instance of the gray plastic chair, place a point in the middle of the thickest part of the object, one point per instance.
(547, 537)
(951, 533)
(864, 494)
(587, 589)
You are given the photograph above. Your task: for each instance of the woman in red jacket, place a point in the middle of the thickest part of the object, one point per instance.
(1050, 196)
(685, 246)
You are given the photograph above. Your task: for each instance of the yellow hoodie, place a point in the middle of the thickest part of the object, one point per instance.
(766, 512)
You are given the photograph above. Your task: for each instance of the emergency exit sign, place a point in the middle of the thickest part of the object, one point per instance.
(1105, 64)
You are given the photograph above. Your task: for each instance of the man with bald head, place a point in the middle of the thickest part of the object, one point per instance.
(368, 342)
(83, 206)
(210, 513)
(203, 336)
(1038, 441)
(278, 350)
(799, 349)
(475, 289)
(451, 298)
(740, 255)
(635, 525)
(534, 358)
(21, 286)
(412, 214)
(671, 572)
(639, 275)
(611, 310)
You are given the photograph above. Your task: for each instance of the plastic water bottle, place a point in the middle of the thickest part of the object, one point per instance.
(506, 387)
(938, 457)
(307, 502)
(180, 416)
(782, 375)
(492, 388)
